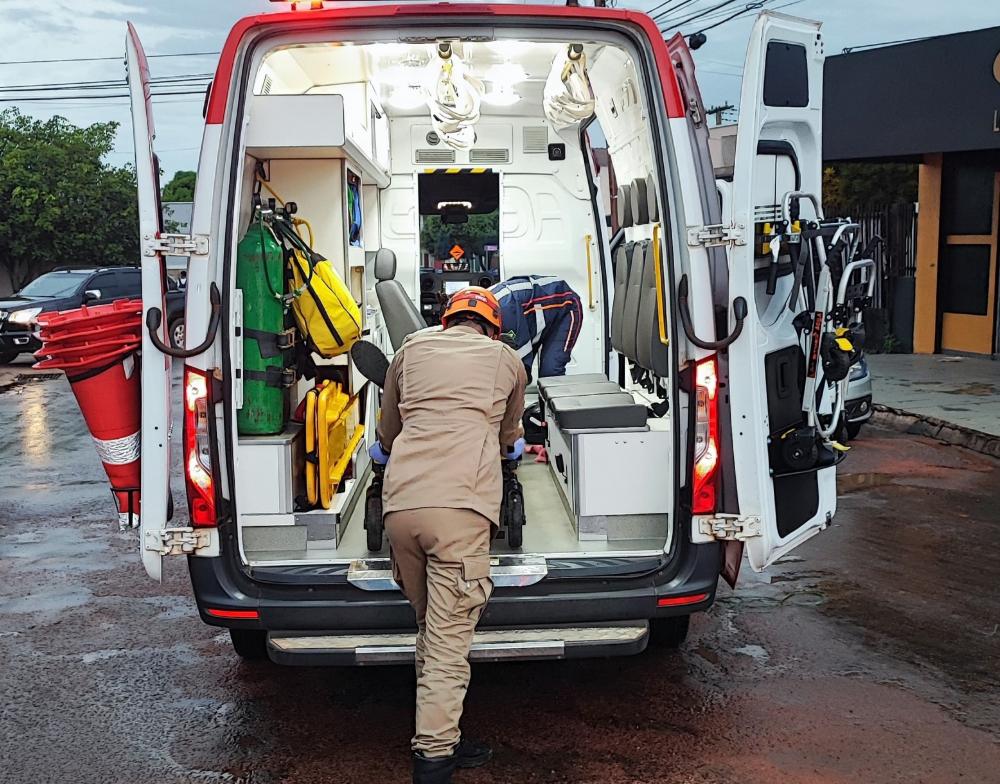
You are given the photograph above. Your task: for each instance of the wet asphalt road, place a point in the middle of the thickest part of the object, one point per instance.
(871, 654)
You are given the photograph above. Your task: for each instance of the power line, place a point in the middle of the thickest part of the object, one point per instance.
(653, 11)
(849, 49)
(108, 84)
(92, 96)
(749, 7)
(101, 59)
(700, 14)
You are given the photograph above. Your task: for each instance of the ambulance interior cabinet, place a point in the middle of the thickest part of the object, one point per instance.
(271, 471)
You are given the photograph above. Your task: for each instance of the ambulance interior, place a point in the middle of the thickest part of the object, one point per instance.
(413, 188)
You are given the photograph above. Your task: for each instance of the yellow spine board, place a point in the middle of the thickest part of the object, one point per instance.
(312, 491)
(334, 449)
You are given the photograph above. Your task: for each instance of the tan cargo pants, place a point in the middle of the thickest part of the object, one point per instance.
(441, 560)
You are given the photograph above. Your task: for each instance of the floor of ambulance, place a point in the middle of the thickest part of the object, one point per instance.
(549, 530)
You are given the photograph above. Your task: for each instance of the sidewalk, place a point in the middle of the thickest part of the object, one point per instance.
(956, 399)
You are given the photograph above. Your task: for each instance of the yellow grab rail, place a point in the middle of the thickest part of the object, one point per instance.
(590, 273)
(658, 271)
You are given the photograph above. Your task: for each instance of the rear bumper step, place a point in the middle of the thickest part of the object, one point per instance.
(506, 571)
(488, 645)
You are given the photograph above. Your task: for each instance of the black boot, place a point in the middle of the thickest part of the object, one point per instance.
(433, 770)
(472, 754)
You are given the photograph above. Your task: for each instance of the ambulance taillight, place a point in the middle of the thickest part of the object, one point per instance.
(197, 449)
(706, 437)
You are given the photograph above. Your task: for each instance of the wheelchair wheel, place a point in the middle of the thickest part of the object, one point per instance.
(374, 526)
(515, 519)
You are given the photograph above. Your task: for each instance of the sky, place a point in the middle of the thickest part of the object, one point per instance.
(59, 29)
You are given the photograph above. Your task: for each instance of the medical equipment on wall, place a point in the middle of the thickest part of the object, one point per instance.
(568, 97)
(454, 98)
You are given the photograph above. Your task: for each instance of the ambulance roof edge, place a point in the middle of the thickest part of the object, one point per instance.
(218, 98)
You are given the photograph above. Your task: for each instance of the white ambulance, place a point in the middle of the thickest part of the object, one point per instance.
(696, 421)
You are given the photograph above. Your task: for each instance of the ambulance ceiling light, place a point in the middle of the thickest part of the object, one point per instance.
(509, 47)
(407, 98)
(501, 95)
(506, 74)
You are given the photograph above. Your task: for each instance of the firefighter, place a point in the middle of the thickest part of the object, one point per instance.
(451, 408)
(541, 314)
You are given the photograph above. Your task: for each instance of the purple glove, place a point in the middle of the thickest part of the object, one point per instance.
(514, 452)
(378, 454)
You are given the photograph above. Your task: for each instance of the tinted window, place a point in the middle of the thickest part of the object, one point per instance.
(106, 283)
(967, 198)
(786, 76)
(129, 283)
(54, 284)
(964, 279)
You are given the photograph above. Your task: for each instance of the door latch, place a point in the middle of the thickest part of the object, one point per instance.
(177, 541)
(175, 245)
(715, 235)
(732, 528)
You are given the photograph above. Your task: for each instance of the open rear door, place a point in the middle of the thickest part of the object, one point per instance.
(778, 151)
(155, 478)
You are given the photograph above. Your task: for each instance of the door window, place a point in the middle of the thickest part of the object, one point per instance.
(106, 283)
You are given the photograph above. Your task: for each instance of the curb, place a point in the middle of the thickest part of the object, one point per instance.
(950, 433)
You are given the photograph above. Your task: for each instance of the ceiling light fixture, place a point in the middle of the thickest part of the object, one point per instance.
(407, 98)
(502, 95)
(506, 74)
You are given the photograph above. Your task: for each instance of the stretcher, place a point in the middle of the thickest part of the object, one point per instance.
(373, 365)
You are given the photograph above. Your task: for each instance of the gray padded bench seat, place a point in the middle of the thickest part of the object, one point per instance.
(610, 411)
(603, 387)
(554, 382)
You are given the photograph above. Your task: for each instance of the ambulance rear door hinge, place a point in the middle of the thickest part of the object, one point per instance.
(716, 234)
(178, 541)
(730, 528)
(175, 245)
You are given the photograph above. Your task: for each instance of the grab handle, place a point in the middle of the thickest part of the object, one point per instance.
(739, 311)
(155, 317)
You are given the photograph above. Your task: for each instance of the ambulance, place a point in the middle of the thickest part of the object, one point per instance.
(431, 146)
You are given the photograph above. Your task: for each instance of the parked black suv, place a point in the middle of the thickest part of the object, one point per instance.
(65, 289)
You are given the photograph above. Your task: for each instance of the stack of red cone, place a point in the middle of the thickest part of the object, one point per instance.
(97, 348)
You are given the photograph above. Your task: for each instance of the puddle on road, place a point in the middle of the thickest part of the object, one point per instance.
(847, 483)
(23, 379)
(976, 389)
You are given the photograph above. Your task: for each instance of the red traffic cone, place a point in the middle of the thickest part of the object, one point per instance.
(97, 346)
(109, 399)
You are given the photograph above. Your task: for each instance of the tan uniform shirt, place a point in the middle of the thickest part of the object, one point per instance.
(451, 398)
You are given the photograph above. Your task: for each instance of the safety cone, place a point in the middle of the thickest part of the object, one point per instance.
(97, 348)
(109, 399)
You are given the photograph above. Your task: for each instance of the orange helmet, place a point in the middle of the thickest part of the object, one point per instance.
(475, 300)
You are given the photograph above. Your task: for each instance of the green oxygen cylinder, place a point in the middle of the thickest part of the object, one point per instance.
(261, 279)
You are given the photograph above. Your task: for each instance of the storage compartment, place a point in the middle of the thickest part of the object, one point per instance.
(281, 459)
(586, 463)
(344, 132)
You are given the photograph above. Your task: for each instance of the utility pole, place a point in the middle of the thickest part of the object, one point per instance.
(718, 111)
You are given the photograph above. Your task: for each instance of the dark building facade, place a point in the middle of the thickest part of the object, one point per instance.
(935, 102)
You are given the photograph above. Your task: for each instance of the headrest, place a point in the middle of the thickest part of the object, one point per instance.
(654, 207)
(624, 206)
(640, 203)
(385, 264)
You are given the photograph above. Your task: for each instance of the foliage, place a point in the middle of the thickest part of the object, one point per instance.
(437, 238)
(62, 204)
(859, 185)
(180, 188)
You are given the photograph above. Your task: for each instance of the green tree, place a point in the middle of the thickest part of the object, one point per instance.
(62, 204)
(860, 185)
(180, 188)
